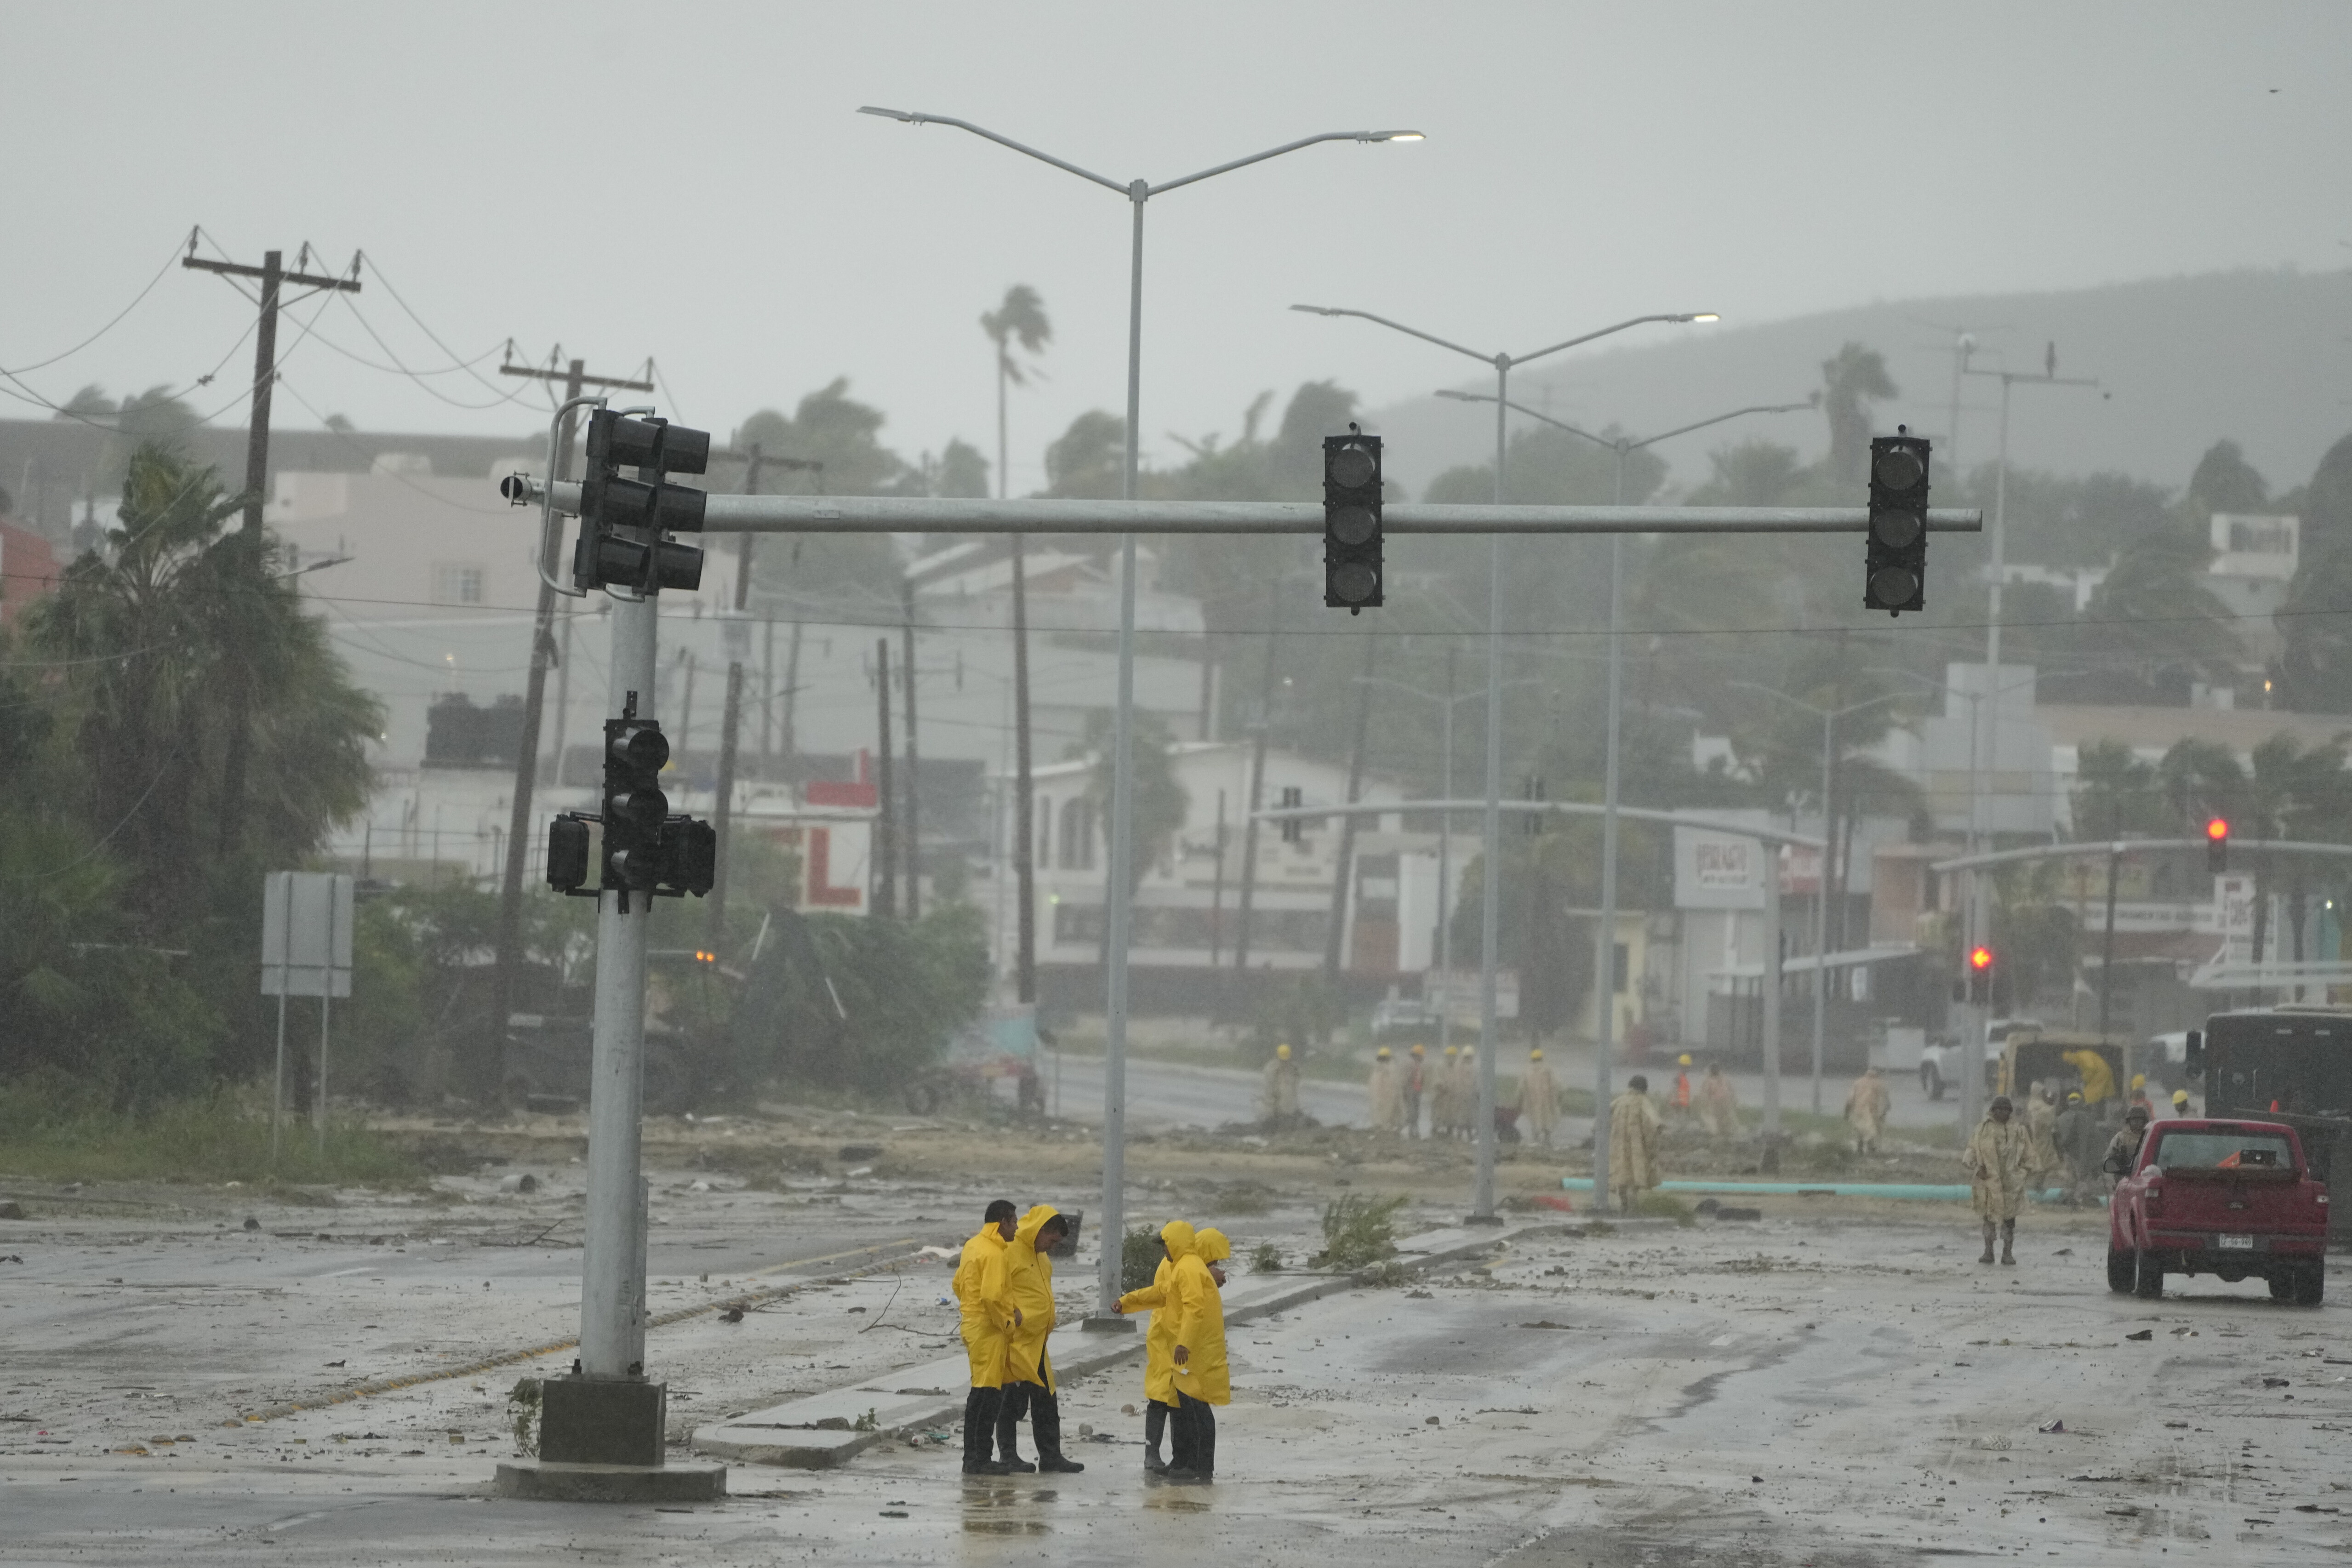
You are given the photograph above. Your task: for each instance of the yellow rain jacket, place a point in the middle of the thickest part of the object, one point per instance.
(984, 1290)
(1159, 1338)
(1201, 1319)
(2098, 1079)
(1030, 1277)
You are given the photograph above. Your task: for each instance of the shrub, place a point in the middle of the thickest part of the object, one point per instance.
(1357, 1230)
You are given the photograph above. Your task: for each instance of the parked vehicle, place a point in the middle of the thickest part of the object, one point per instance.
(1940, 1063)
(2033, 1054)
(2234, 1199)
(2289, 1064)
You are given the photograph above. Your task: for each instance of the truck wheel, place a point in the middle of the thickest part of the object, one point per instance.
(2148, 1276)
(2283, 1283)
(2119, 1271)
(1931, 1080)
(2311, 1284)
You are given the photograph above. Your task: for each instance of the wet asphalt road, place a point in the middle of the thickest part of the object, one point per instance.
(1800, 1391)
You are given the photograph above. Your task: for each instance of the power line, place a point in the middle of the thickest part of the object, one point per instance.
(113, 322)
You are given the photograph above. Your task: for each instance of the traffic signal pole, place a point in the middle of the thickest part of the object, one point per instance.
(613, 1265)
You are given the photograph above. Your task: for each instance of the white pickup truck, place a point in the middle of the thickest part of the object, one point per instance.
(1940, 1063)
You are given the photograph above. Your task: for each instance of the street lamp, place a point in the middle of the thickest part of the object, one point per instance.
(1605, 937)
(1490, 910)
(1122, 795)
(1829, 717)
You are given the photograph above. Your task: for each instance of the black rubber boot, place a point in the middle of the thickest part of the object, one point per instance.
(1046, 1426)
(1155, 1424)
(1015, 1404)
(980, 1432)
(1988, 1251)
(2009, 1242)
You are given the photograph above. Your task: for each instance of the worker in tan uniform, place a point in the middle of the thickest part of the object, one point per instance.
(1635, 1130)
(1995, 1161)
(1866, 1106)
(1386, 1094)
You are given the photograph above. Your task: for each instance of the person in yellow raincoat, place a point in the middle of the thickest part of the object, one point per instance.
(1159, 1343)
(1539, 1099)
(1386, 1092)
(1634, 1129)
(2099, 1078)
(1719, 1103)
(984, 1289)
(1866, 1106)
(1203, 1380)
(1028, 1374)
(1996, 1160)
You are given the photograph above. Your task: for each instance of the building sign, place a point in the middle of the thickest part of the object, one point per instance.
(1718, 871)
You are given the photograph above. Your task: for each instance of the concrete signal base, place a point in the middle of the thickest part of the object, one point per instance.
(549, 1481)
(601, 1440)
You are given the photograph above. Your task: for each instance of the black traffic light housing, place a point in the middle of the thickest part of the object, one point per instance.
(1895, 577)
(635, 809)
(1294, 828)
(1981, 964)
(622, 520)
(1351, 521)
(2217, 845)
(567, 854)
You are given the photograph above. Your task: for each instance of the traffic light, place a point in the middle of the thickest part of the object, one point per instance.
(1535, 819)
(689, 856)
(622, 520)
(1981, 966)
(2217, 845)
(635, 811)
(567, 854)
(1351, 521)
(1895, 579)
(1294, 828)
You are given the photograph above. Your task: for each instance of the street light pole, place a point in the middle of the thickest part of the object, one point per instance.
(1605, 937)
(1829, 717)
(1112, 1224)
(1482, 1210)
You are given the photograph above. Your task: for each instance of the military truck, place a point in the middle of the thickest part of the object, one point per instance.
(2289, 1064)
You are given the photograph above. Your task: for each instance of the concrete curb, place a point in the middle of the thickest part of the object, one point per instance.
(546, 1480)
(821, 1431)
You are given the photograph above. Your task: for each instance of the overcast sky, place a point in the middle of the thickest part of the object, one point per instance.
(692, 182)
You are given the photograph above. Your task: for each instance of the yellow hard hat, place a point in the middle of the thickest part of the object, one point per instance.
(1282, 1052)
(1683, 1059)
(1419, 1048)
(2180, 1096)
(1535, 1055)
(2139, 1080)
(1384, 1053)
(1453, 1051)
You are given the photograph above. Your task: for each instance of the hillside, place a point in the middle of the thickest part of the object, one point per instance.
(2263, 357)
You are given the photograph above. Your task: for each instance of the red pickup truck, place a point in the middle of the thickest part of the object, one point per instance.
(2230, 1197)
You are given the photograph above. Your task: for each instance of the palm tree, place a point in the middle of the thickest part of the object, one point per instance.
(1019, 320)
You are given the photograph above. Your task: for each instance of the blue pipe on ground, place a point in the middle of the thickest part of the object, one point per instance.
(1927, 1192)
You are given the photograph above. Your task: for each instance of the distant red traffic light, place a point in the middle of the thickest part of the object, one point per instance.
(1979, 959)
(2218, 828)
(2217, 845)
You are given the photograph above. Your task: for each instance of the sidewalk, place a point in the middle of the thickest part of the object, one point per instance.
(823, 1430)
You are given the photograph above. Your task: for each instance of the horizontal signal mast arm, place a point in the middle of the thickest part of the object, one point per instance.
(899, 514)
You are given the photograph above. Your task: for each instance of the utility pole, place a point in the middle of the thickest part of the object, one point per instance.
(489, 1069)
(739, 650)
(884, 856)
(912, 844)
(273, 277)
(1256, 804)
(1335, 938)
(1024, 800)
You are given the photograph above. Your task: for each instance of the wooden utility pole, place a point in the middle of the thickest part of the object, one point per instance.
(911, 845)
(1334, 939)
(273, 278)
(488, 1068)
(739, 651)
(886, 848)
